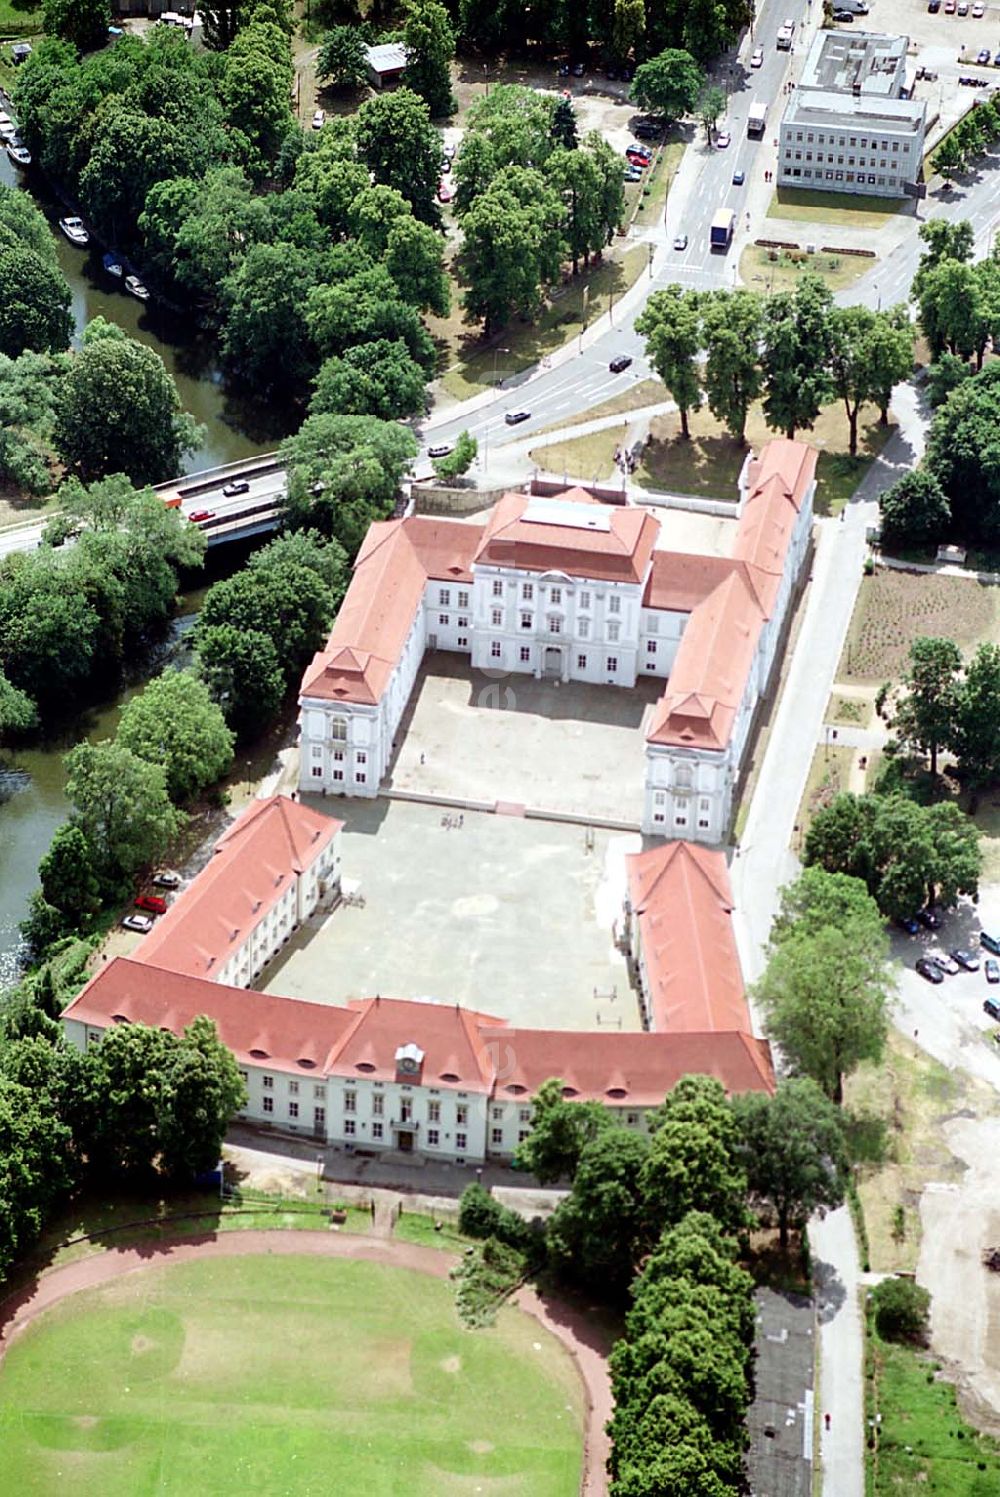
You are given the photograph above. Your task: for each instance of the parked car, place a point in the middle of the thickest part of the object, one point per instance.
(949, 7)
(757, 57)
(991, 1008)
(947, 964)
(933, 6)
(641, 155)
(908, 923)
(963, 7)
(514, 418)
(990, 943)
(978, 10)
(620, 362)
(722, 139)
(632, 174)
(442, 450)
(843, 17)
(992, 969)
(966, 959)
(739, 177)
(141, 923)
(236, 486)
(929, 918)
(983, 57)
(449, 151)
(681, 242)
(319, 119)
(996, 59)
(154, 903)
(445, 164)
(167, 879)
(646, 130)
(20, 52)
(578, 69)
(930, 970)
(445, 193)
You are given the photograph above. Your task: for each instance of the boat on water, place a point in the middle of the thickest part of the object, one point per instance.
(8, 127)
(113, 264)
(18, 152)
(134, 286)
(75, 231)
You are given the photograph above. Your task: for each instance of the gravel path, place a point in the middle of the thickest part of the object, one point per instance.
(586, 1345)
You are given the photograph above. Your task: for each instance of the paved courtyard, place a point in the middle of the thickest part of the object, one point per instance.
(504, 914)
(573, 748)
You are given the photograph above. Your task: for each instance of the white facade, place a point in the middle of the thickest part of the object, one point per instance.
(299, 900)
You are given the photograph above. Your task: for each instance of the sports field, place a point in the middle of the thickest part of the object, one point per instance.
(290, 1375)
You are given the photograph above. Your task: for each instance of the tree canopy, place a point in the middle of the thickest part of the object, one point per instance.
(793, 1150)
(175, 723)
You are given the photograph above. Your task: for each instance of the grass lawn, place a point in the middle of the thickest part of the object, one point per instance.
(894, 608)
(658, 183)
(909, 1092)
(417, 1226)
(474, 366)
(923, 1445)
(292, 1375)
(829, 774)
(590, 457)
(710, 463)
(644, 392)
(834, 209)
(776, 270)
(849, 712)
(16, 20)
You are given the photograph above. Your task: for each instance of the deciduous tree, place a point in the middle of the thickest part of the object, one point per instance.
(402, 149)
(560, 1131)
(342, 60)
(915, 511)
(669, 84)
(459, 460)
(121, 805)
(793, 1150)
(430, 49)
(595, 1233)
(344, 472)
(240, 667)
(922, 715)
(371, 379)
(671, 325)
(732, 326)
(796, 355)
(691, 1163)
(174, 722)
(975, 731)
(84, 23)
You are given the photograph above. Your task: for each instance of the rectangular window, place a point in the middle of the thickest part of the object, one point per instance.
(319, 1118)
(524, 1114)
(555, 595)
(444, 619)
(613, 632)
(350, 1101)
(338, 756)
(460, 1142)
(632, 1119)
(525, 653)
(496, 1136)
(377, 1130)
(360, 777)
(92, 1034)
(585, 599)
(463, 623)
(319, 1091)
(293, 1109)
(581, 662)
(463, 641)
(583, 628)
(497, 588)
(523, 1134)
(444, 596)
(527, 591)
(434, 1112)
(614, 603)
(612, 664)
(268, 1104)
(433, 1137)
(338, 774)
(361, 757)
(268, 1082)
(293, 1088)
(703, 823)
(496, 618)
(350, 1127)
(527, 620)
(495, 650)
(317, 771)
(651, 647)
(497, 1114)
(461, 1116)
(338, 730)
(554, 624)
(463, 598)
(681, 819)
(652, 624)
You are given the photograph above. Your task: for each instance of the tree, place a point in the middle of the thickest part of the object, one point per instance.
(41, 608)
(818, 899)
(205, 1091)
(669, 85)
(852, 366)
(414, 258)
(373, 379)
(825, 997)
(84, 23)
(482, 1215)
(459, 460)
(954, 314)
(175, 723)
(343, 472)
(397, 142)
(28, 390)
(255, 92)
(945, 374)
(732, 326)
(793, 1150)
(564, 130)
(23, 225)
(221, 20)
(430, 47)
(975, 731)
(671, 325)
(513, 246)
(949, 158)
(243, 675)
(265, 334)
(711, 106)
(342, 60)
(902, 1309)
(594, 1233)
(117, 411)
(35, 1166)
(121, 805)
(915, 511)
(560, 1131)
(34, 309)
(691, 1163)
(889, 351)
(363, 307)
(574, 175)
(963, 454)
(67, 877)
(922, 716)
(796, 355)
(628, 27)
(18, 713)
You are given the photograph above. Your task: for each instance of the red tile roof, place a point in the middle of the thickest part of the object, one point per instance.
(386, 592)
(678, 582)
(683, 902)
(455, 1042)
(251, 869)
(526, 532)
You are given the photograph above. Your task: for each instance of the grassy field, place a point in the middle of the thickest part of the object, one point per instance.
(834, 209)
(709, 464)
(417, 1226)
(776, 270)
(590, 457)
(829, 774)
(923, 1443)
(658, 183)
(473, 366)
(849, 712)
(894, 608)
(298, 1375)
(17, 20)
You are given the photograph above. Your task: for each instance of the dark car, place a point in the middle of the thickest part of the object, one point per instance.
(933, 6)
(739, 177)
(909, 924)
(154, 903)
(622, 361)
(991, 1008)
(236, 486)
(930, 970)
(990, 943)
(983, 57)
(992, 969)
(646, 130)
(929, 919)
(996, 59)
(514, 418)
(965, 959)
(843, 17)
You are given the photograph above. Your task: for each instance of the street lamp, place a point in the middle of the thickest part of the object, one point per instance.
(496, 354)
(878, 294)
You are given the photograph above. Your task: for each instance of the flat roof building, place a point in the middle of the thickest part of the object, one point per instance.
(848, 126)
(386, 63)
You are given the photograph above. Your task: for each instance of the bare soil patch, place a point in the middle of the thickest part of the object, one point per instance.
(894, 608)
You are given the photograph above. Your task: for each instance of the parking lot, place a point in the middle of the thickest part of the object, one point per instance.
(510, 916)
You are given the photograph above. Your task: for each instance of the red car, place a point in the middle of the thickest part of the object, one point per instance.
(445, 195)
(199, 516)
(154, 903)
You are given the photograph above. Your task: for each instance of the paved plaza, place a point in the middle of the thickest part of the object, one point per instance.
(571, 747)
(507, 915)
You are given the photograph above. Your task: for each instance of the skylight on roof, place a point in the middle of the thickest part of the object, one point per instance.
(566, 513)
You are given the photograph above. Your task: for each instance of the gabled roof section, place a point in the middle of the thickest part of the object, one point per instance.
(254, 864)
(258, 1028)
(678, 582)
(455, 1042)
(554, 535)
(681, 896)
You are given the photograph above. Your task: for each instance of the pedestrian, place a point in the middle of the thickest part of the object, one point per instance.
(826, 1419)
(421, 761)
